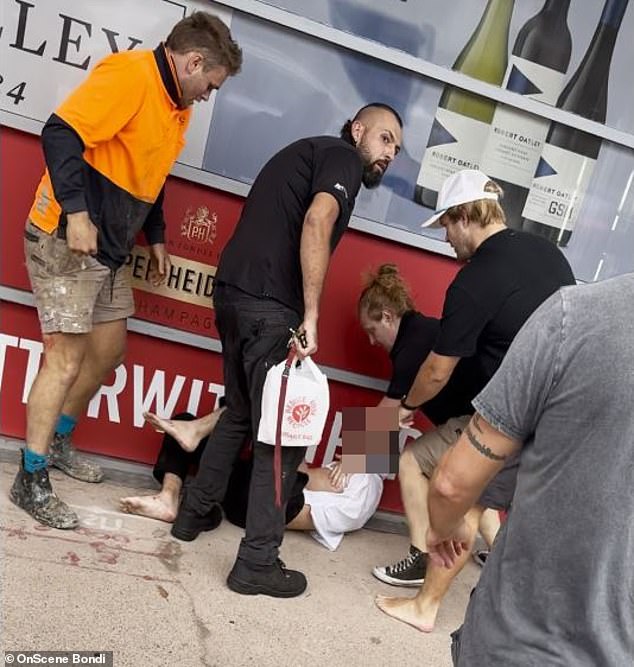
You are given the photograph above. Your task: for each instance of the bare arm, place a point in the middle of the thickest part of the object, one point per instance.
(432, 376)
(315, 257)
(461, 476)
(387, 402)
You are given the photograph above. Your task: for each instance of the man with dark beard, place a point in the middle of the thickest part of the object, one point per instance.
(269, 280)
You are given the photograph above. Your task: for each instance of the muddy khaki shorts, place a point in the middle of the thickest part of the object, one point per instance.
(71, 292)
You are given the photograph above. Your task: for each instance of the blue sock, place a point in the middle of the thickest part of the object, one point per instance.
(34, 461)
(65, 425)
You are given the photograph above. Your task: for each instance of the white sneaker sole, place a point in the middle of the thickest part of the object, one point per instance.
(380, 574)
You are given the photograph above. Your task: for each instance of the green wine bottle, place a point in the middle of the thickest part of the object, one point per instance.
(461, 124)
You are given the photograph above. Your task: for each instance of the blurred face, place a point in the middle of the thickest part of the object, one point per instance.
(198, 83)
(457, 234)
(378, 136)
(380, 332)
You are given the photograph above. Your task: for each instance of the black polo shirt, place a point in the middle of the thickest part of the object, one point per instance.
(508, 277)
(262, 257)
(414, 341)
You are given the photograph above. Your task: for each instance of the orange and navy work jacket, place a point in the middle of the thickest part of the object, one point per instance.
(109, 148)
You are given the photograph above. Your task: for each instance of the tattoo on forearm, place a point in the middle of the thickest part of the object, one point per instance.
(483, 449)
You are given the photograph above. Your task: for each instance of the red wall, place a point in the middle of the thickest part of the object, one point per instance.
(342, 343)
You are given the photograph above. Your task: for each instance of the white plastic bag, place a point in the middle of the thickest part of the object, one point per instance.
(295, 404)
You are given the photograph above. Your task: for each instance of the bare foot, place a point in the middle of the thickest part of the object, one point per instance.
(184, 432)
(406, 610)
(154, 507)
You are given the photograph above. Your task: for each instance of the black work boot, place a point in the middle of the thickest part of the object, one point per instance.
(274, 580)
(189, 524)
(32, 492)
(64, 456)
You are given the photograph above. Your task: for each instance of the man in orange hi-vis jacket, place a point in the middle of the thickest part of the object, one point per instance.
(108, 148)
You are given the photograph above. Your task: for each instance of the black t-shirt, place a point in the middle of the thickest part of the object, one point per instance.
(414, 341)
(508, 277)
(263, 255)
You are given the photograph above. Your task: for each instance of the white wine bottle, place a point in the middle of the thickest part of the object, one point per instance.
(569, 155)
(538, 63)
(461, 124)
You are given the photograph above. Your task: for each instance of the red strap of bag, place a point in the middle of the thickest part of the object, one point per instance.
(277, 454)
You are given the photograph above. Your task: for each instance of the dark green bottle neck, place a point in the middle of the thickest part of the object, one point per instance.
(555, 9)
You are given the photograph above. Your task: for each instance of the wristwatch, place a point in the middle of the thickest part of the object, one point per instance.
(412, 408)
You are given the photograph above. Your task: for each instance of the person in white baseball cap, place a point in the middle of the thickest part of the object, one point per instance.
(464, 187)
(507, 274)
(470, 211)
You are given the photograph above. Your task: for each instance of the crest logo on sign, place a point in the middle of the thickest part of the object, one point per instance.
(199, 227)
(300, 411)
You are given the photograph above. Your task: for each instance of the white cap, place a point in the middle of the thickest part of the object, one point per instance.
(460, 188)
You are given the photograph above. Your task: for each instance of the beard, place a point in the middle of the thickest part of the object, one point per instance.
(372, 173)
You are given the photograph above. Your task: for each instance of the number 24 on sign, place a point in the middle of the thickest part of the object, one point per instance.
(17, 92)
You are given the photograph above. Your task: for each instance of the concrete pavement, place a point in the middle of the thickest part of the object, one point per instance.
(122, 583)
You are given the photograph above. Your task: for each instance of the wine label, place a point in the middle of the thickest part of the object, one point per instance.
(514, 144)
(455, 142)
(533, 80)
(516, 138)
(558, 188)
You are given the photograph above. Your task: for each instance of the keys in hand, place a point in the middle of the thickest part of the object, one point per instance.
(297, 336)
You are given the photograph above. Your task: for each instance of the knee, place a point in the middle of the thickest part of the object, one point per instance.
(67, 371)
(63, 363)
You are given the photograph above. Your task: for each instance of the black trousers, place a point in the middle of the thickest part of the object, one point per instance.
(254, 333)
(174, 459)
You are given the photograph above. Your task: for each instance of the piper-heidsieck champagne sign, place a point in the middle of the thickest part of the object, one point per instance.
(569, 155)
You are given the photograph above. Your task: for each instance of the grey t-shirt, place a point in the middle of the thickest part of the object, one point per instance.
(558, 587)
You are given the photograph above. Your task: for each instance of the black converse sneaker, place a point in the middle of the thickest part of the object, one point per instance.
(63, 455)
(32, 492)
(410, 571)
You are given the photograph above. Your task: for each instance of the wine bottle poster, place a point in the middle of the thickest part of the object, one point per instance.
(455, 142)
(567, 161)
(539, 61)
(461, 123)
(561, 182)
(295, 85)
(437, 31)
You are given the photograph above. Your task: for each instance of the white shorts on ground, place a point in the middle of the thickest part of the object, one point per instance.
(337, 513)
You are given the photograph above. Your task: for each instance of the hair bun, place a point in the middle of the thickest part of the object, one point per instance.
(387, 270)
